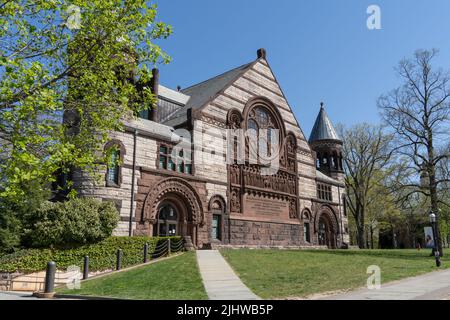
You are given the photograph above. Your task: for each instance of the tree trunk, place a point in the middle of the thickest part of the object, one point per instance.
(371, 237)
(360, 236)
(394, 238)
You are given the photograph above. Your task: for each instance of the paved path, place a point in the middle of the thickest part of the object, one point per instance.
(14, 295)
(430, 286)
(220, 281)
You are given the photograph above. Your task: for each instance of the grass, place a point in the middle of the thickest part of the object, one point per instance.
(172, 279)
(299, 273)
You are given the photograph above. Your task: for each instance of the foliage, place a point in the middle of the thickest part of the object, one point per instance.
(102, 255)
(11, 219)
(10, 229)
(367, 152)
(175, 278)
(77, 221)
(52, 67)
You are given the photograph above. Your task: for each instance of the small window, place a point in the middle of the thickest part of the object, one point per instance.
(179, 163)
(324, 192)
(175, 162)
(216, 227)
(162, 162)
(171, 165)
(306, 234)
(144, 114)
(113, 167)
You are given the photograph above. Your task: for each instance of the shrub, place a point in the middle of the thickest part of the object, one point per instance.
(102, 255)
(10, 228)
(77, 221)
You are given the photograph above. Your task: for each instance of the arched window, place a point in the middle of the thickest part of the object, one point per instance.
(115, 152)
(216, 227)
(262, 133)
(217, 208)
(113, 167)
(167, 224)
(306, 226)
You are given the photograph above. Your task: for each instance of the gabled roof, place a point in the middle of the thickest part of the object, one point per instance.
(323, 128)
(205, 91)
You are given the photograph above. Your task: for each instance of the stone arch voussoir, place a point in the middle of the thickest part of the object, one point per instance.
(330, 214)
(183, 190)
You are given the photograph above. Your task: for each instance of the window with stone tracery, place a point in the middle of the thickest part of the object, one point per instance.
(262, 131)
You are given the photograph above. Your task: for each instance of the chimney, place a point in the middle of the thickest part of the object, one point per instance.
(261, 53)
(154, 83)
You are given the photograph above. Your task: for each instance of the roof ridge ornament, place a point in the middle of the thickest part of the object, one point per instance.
(261, 53)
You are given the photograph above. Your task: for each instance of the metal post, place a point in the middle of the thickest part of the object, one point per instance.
(119, 259)
(168, 246)
(436, 246)
(145, 253)
(86, 268)
(50, 277)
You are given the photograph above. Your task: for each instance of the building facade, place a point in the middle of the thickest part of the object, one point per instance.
(185, 169)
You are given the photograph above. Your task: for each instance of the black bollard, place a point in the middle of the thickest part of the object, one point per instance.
(86, 268)
(50, 277)
(119, 259)
(145, 253)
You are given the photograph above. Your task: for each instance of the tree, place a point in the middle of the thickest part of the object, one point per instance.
(366, 151)
(92, 57)
(418, 113)
(380, 204)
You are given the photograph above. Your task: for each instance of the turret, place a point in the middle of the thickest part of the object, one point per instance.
(327, 146)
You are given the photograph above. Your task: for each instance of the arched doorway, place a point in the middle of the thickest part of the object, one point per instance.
(327, 228)
(172, 208)
(325, 233)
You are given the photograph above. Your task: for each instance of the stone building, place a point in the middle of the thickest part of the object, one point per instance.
(179, 172)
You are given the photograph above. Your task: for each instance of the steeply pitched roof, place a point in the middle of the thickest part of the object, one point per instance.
(323, 128)
(205, 91)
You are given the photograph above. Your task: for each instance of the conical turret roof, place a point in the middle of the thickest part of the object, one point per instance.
(323, 128)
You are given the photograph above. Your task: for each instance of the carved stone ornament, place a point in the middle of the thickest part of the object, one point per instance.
(179, 187)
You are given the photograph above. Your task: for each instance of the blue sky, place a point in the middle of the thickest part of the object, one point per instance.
(319, 50)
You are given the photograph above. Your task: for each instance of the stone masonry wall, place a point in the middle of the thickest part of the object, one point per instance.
(244, 232)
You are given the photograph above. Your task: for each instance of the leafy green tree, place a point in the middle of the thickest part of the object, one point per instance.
(367, 150)
(89, 58)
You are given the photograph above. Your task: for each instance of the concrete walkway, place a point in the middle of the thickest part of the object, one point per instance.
(220, 281)
(16, 295)
(430, 286)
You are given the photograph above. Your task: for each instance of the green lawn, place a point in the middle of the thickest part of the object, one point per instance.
(172, 279)
(299, 273)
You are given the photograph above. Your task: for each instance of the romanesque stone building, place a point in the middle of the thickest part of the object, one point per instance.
(176, 176)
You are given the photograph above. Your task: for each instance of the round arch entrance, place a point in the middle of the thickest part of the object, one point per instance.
(327, 228)
(173, 208)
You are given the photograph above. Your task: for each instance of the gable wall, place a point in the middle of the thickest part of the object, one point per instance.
(260, 81)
